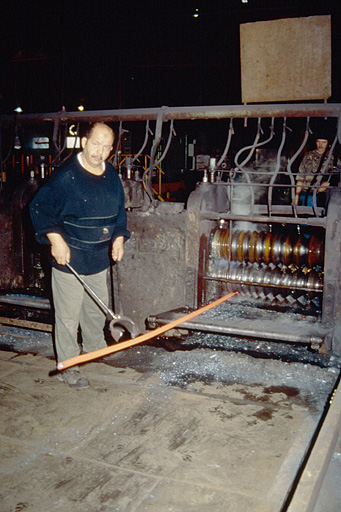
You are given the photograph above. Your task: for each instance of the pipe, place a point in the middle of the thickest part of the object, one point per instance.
(118, 146)
(157, 140)
(194, 112)
(243, 330)
(70, 154)
(170, 136)
(90, 356)
(227, 146)
(278, 165)
(292, 160)
(309, 221)
(146, 137)
(55, 142)
(245, 161)
(252, 148)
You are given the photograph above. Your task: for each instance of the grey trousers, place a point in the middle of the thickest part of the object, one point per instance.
(73, 308)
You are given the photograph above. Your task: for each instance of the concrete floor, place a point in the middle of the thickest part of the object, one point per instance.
(151, 435)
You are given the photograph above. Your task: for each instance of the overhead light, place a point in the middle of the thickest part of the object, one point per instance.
(17, 142)
(18, 110)
(196, 14)
(81, 105)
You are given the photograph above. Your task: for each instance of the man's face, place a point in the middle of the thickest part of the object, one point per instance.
(96, 149)
(321, 145)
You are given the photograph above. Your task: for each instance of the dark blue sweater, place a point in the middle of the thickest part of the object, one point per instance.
(87, 210)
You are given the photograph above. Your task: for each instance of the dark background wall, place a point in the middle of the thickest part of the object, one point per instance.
(113, 54)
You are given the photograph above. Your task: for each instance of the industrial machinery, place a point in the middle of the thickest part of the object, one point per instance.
(238, 230)
(282, 259)
(285, 268)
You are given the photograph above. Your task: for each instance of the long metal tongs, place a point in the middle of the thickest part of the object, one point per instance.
(116, 321)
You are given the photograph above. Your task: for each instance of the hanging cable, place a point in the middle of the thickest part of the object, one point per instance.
(74, 147)
(148, 173)
(170, 136)
(121, 132)
(241, 166)
(252, 149)
(278, 164)
(292, 160)
(146, 137)
(55, 137)
(228, 143)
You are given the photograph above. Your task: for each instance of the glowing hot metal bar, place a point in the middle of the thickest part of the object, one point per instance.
(90, 356)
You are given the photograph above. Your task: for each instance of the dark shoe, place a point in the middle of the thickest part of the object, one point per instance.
(73, 379)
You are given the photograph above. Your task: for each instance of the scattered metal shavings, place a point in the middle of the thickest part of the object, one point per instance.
(26, 341)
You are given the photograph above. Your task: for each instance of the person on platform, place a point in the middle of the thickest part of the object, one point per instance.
(80, 213)
(313, 164)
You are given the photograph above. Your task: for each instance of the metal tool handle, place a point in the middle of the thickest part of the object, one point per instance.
(118, 281)
(92, 293)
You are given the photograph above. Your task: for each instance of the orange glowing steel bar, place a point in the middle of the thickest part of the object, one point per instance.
(90, 356)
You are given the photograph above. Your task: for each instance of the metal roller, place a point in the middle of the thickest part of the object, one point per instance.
(267, 247)
(266, 265)
(268, 282)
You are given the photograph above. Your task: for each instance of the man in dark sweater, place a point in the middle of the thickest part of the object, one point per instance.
(80, 213)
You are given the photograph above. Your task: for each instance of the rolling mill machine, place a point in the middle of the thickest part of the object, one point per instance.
(239, 229)
(282, 259)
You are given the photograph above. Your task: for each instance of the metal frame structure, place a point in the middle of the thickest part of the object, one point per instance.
(211, 204)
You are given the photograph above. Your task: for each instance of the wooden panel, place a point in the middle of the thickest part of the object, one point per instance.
(28, 324)
(286, 60)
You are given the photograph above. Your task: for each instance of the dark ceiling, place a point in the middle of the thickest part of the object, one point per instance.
(126, 54)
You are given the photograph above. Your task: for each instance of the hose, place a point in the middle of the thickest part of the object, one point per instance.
(292, 160)
(228, 142)
(278, 164)
(147, 133)
(120, 133)
(252, 150)
(153, 162)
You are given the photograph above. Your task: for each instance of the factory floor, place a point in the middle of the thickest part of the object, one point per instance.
(158, 430)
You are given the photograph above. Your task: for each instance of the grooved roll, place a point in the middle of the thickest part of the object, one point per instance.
(266, 247)
(267, 282)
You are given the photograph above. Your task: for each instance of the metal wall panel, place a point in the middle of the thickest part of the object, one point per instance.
(286, 59)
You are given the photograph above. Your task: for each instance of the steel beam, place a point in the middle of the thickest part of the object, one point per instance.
(184, 113)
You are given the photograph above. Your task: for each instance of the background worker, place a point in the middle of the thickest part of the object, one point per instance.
(80, 213)
(310, 169)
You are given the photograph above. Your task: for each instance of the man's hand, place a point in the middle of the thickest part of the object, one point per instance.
(59, 248)
(117, 250)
